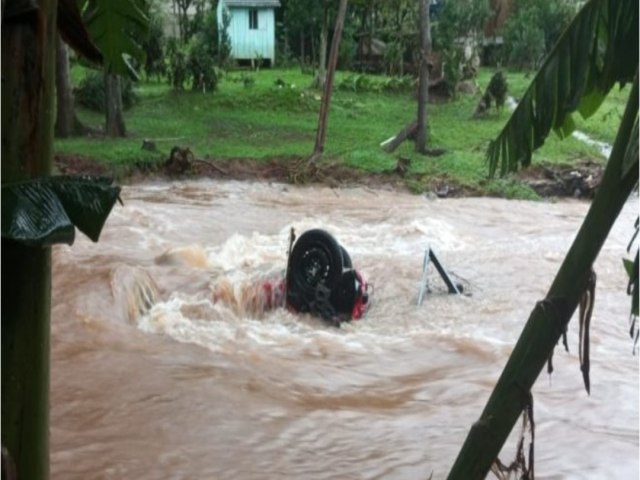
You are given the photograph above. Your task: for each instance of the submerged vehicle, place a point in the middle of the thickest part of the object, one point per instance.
(321, 280)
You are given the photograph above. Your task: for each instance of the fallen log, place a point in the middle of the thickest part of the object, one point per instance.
(405, 133)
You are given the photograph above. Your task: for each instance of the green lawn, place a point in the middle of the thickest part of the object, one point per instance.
(256, 119)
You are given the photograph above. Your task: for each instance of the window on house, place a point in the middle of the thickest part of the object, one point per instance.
(253, 19)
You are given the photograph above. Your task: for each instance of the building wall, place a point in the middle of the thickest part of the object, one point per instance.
(247, 44)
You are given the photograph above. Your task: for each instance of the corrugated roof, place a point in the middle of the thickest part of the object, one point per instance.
(252, 3)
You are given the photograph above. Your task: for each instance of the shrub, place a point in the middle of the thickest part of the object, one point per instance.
(393, 57)
(364, 83)
(347, 49)
(177, 60)
(90, 92)
(459, 24)
(532, 29)
(224, 41)
(201, 64)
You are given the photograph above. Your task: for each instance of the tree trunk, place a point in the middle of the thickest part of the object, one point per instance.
(406, 132)
(550, 317)
(28, 62)
(321, 77)
(113, 98)
(423, 86)
(328, 86)
(67, 123)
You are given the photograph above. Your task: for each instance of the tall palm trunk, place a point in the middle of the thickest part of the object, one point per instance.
(28, 60)
(550, 317)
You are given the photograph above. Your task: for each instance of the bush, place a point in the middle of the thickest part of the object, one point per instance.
(363, 83)
(459, 23)
(90, 92)
(533, 29)
(347, 49)
(201, 64)
(195, 60)
(393, 57)
(177, 60)
(224, 45)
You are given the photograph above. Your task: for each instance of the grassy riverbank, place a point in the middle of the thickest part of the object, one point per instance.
(251, 117)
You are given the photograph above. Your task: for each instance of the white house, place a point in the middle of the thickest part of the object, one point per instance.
(252, 28)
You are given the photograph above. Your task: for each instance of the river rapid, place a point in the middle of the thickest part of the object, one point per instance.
(153, 379)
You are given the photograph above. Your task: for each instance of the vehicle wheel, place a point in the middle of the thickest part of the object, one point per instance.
(346, 259)
(316, 259)
(343, 296)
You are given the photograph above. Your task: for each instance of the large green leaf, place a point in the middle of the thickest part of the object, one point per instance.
(44, 211)
(598, 49)
(118, 28)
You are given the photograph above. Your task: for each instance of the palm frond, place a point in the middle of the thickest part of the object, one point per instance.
(598, 49)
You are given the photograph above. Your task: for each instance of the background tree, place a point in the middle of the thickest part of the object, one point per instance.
(396, 25)
(181, 9)
(321, 75)
(423, 83)
(67, 123)
(328, 87)
(125, 21)
(302, 19)
(459, 27)
(224, 41)
(114, 120)
(154, 42)
(532, 29)
(599, 49)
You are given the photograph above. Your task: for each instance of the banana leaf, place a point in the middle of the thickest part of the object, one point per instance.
(45, 211)
(597, 50)
(118, 27)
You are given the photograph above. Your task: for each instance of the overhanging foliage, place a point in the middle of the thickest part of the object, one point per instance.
(44, 211)
(598, 49)
(118, 28)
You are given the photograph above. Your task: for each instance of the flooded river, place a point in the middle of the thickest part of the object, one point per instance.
(153, 379)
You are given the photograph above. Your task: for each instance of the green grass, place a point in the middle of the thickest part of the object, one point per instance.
(259, 120)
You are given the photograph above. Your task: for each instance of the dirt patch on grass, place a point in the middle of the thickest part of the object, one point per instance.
(78, 165)
(577, 180)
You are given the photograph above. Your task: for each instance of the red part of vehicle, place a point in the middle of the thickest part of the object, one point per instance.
(361, 303)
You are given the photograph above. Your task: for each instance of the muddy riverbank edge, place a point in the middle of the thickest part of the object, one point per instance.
(578, 180)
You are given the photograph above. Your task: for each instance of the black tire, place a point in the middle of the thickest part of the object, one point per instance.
(316, 259)
(346, 259)
(343, 296)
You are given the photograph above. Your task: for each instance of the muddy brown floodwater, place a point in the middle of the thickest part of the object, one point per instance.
(152, 379)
